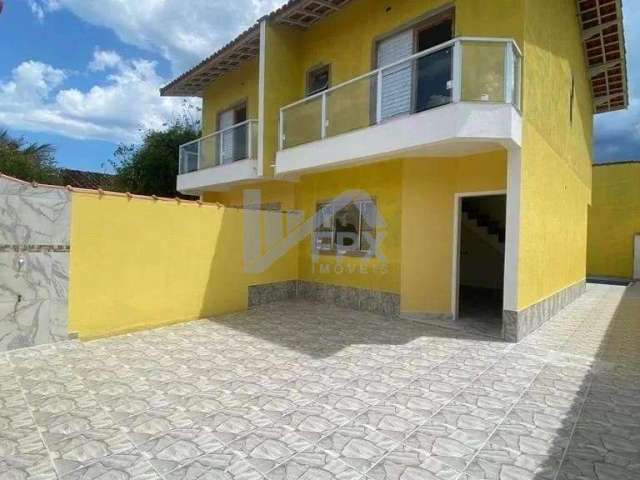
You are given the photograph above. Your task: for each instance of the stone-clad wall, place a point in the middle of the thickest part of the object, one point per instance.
(382, 303)
(518, 325)
(34, 264)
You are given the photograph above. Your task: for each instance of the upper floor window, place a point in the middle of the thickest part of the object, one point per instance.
(318, 80)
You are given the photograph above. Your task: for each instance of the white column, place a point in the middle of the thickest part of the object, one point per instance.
(262, 65)
(513, 224)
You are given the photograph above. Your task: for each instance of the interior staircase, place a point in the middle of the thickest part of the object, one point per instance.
(487, 228)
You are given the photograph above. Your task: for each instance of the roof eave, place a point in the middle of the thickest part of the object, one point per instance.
(602, 23)
(296, 13)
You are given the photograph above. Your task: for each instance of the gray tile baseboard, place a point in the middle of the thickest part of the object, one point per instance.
(518, 325)
(271, 292)
(383, 303)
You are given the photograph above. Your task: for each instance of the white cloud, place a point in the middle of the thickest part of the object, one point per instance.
(182, 31)
(31, 83)
(33, 99)
(37, 9)
(104, 59)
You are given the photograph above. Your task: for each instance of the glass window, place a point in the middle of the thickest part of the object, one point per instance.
(346, 228)
(318, 80)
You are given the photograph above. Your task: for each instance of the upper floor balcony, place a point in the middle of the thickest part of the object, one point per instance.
(457, 98)
(220, 159)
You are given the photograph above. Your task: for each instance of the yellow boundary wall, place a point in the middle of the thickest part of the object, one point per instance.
(139, 263)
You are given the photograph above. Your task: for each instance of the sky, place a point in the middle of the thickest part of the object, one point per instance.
(84, 75)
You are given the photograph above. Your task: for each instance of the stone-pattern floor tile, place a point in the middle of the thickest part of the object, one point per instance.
(216, 466)
(413, 400)
(274, 404)
(231, 424)
(411, 464)
(178, 447)
(268, 447)
(62, 426)
(501, 464)
(304, 390)
(358, 446)
(395, 422)
(152, 423)
(32, 466)
(128, 465)
(314, 421)
(453, 446)
(315, 464)
(347, 401)
(80, 450)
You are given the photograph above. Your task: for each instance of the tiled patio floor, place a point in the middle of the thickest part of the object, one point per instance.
(303, 391)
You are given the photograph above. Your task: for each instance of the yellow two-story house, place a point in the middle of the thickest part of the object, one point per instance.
(465, 125)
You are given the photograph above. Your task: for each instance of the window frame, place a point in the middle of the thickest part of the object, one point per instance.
(242, 104)
(334, 250)
(311, 72)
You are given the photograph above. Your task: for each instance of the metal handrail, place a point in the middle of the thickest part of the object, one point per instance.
(456, 43)
(423, 53)
(209, 135)
(199, 141)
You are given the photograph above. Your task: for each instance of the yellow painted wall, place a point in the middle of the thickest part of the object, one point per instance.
(382, 181)
(416, 200)
(346, 41)
(428, 191)
(237, 86)
(556, 156)
(270, 192)
(614, 220)
(280, 79)
(140, 264)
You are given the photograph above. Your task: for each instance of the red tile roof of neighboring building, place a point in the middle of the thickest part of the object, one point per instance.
(90, 180)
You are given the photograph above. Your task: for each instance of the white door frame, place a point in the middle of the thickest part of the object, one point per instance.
(457, 223)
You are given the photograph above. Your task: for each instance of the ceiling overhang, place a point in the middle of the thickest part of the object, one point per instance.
(304, 13)
(603, 36)
(296, 13)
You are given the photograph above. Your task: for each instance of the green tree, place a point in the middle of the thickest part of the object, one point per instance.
(32, 162)
(152, 167)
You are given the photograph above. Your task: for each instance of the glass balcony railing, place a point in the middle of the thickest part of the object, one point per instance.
(461, 70)
(239, 142)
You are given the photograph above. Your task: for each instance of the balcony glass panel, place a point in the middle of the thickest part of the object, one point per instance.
(463, 69)
(189, 158)
(433, 79)
(210, 148)
(239, 142)
(302, 123)
(483, 72)
(350, 108)
(517, 78)
(252, 142)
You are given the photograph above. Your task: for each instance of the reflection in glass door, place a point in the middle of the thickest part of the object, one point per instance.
(233, 141)
(419, 84)
(434, 73)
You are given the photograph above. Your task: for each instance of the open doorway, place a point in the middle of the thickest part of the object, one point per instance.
(481, 247)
